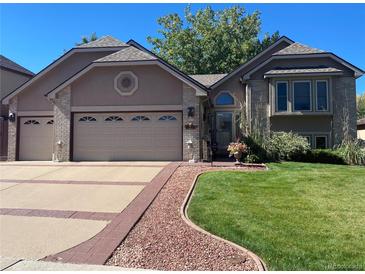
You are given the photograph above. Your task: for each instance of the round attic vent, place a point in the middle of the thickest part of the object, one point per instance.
(126, 83)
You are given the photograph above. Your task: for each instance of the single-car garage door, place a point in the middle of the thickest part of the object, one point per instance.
(35, 138)
(127, 136)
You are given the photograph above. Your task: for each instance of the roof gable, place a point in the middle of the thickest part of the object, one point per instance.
(104, 42)
(297, 48)
(11, 65)
(275, 45)
(129, 53)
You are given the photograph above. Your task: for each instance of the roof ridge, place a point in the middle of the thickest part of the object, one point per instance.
(129, 53)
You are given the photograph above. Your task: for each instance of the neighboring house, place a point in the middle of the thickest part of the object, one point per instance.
(110, 100)
(361, 129)
(12, 75)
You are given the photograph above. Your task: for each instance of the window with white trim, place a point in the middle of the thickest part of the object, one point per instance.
(167, 118)
(322, 95)
(320, 141)
(302, 95)
(224, 99)
(113, 119)
(87, 119)
(140, 118)
(281, 96)
(309, 139)
(31, 122)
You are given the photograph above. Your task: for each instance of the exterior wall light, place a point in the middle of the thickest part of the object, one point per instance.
(12, 117)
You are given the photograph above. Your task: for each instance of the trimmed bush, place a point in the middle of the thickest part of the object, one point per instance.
(286, 145)
(255, 151)
(325, 156)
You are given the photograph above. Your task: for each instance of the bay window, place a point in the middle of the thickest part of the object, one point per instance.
(281, 96)
(302, 95)
(321, 95)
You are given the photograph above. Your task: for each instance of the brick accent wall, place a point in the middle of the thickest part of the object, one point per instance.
(344, 108)
(191, 100)
(62, 125)
(12, 130)
(259, 106)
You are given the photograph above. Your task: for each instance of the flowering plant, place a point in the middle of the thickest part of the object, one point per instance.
(237, 147)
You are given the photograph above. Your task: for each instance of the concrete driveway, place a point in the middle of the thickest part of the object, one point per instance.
(46, 208)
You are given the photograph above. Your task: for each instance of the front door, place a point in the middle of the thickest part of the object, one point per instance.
(223, 124)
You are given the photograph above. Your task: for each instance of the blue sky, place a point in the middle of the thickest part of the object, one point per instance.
(36, 34)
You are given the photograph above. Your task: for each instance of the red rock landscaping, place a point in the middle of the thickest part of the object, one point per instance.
(162, 240)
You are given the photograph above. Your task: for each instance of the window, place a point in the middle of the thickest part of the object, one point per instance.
(302, 95)
(126, 83)
(50, 122)
(87, 119)
(321, 142)
(224, 99)
(322, 95)
(281, 96)
(140, 118)
(31, 122)
(167, 118)
(114, 119)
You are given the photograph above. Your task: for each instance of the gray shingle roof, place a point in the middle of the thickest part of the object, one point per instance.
(7, 63)
(104, 41)
(301, 71)
(207, 79)
(129, 53)
(297, 48)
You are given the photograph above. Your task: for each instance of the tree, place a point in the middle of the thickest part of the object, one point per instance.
(210, 41)
(360, 106)
(85, 39)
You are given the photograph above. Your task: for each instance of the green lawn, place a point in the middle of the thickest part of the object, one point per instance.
(296, 216)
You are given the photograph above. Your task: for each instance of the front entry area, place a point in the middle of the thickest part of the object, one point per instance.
(224, 131)
(152, 136)
(35, 138)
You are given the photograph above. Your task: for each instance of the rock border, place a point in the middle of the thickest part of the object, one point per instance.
(184, 215)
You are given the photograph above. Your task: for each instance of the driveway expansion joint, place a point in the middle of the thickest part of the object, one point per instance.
(98, 249)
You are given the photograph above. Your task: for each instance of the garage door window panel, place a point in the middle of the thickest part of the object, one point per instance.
(167, 118)
(140, 118)
(31, 122)
(113, 119)
(87, 119)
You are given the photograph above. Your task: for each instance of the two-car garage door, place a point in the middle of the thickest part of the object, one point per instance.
(127, 136)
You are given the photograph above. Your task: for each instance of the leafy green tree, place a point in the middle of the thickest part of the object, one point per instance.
(210, 41)
(360, 106)
(85, 39)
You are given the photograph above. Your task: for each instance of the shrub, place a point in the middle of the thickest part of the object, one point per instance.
(325, 156)
(352, 152)
(286, 145)
(255, 151)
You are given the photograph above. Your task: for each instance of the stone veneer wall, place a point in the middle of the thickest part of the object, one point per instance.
(62, 125)
(12, 130)
(259, 106)
(191, 100)
(344, 108)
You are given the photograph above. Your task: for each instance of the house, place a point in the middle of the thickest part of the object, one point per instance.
(361, 129)
(110, 100)
(12, 75)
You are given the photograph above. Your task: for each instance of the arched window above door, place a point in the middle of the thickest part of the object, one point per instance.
(224, 99)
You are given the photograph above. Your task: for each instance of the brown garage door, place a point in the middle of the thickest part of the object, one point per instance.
(127, 136)
(36, 138)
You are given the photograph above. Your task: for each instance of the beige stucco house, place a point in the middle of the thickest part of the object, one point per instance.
(12, 75)
(110, 100)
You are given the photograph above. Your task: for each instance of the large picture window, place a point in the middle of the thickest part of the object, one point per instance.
(281, 96)
(322, 95)
(302, 95)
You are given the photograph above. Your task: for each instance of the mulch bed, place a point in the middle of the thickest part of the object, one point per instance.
(162, 240)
